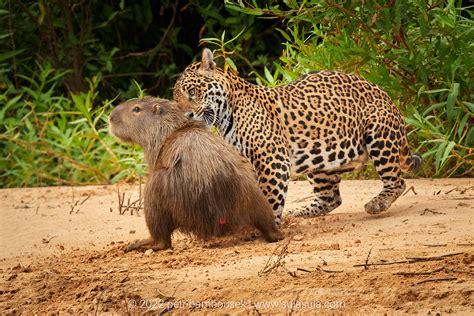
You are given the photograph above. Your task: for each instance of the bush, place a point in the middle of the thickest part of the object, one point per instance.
(63, 64)
(420, 52)
(57, 140)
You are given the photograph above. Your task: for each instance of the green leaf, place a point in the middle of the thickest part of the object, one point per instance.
(10, 103)
(469, 105)
(435, 91)
(470, 137)
(452, 98)
(2, 36)
(434, 107)
(268, 76)
(398, 15)
(423, 22)
(244, 9)
(78, 121)
(462, 124)
(231, 63)
(284, 34)
(447, 152)
(10, 54)
(439, 155)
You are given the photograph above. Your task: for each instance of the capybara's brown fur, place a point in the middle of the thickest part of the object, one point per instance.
(197, 182)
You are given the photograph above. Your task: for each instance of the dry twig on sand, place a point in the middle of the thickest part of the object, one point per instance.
(132, 206)
(412, 188)
(435, 245)
(276, 258)
(428, 210)
(460, 189)
(408, 260)
(319, 269)
(255, 309)
(436, 280)
(433, 258)
(75, 203)
(168, 299)
(329, 271)
(442, 269)
(46, 240)
(366, 265)
(384, 263)
(419, 273)
(294, 303)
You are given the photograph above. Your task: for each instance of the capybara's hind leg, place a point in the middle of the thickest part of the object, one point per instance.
(273, 234)
(267, 226)
(145, 244)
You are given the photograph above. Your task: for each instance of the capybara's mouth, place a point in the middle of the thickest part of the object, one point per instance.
(116, 133)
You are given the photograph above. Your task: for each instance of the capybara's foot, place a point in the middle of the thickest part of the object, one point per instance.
(145, 244)
(273, 235)
(251, 236)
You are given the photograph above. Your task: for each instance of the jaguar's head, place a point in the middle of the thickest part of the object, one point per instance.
(202, 88)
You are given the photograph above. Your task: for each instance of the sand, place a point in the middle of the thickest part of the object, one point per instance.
(65, 254)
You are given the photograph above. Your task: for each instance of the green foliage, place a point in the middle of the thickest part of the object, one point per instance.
(63, 64)
(52, 139)
(421, 52)
(117, 41)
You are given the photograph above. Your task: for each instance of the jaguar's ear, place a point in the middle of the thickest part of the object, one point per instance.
(207, 61)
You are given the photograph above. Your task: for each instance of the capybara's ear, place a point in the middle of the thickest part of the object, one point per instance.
(157, 109)
(207, 61)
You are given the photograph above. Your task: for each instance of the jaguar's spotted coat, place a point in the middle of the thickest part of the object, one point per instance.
(323, 124)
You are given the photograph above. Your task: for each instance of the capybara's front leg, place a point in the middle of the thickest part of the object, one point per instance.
(159, 223)
(145, 244)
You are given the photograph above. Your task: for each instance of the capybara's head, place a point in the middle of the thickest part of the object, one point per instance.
(146, 121)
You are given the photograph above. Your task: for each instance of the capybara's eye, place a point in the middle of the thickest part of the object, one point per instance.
(191, 92)
(136, 109)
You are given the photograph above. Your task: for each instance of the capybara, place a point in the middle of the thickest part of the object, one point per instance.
(197, 182)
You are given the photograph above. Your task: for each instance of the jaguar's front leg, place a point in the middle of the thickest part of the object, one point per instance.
(273, 177)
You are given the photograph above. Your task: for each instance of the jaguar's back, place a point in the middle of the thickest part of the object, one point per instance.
(322, 124)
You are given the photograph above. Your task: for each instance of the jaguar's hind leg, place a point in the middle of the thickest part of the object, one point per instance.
(327, 196)
(384, 151)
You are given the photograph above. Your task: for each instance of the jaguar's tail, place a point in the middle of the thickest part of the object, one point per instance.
(408, 161)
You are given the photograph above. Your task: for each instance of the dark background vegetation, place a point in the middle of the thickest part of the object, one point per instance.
(64, 64)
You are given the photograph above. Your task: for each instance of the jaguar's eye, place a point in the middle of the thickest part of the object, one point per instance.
(136, 109)
(192, 92)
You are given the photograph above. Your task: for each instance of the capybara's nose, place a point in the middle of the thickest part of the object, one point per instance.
(113, 117)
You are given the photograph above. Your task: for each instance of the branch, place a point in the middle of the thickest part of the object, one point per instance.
(360, 22)
(158, 46)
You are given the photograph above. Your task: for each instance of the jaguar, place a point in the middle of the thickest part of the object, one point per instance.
(321, 125)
